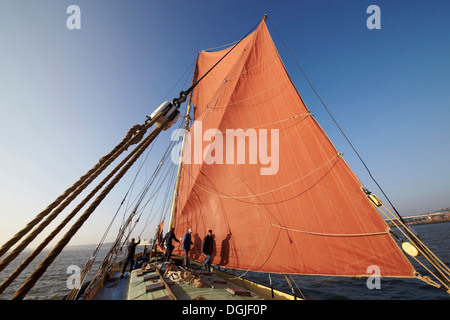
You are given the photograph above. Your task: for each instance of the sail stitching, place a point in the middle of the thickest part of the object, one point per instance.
(333, 234)
(242, 55)
(279, 121)
(270, 191)
(255, 95)
(222, 85)
(296, 230)
(222, 46)
(250, 69)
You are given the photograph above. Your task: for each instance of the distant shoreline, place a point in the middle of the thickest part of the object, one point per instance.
(415, 223)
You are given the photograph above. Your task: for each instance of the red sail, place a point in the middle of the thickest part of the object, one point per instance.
(259, 171)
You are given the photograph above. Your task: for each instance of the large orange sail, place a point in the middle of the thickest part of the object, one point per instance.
(259, 171)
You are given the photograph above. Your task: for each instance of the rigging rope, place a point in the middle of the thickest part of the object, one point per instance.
(266, 192)
(34, 277)
(442, 269)
(162, 171)
(50, 237)
(183, 94)
(304, 298)
(87, 177)
(103, 269)
(130, 138)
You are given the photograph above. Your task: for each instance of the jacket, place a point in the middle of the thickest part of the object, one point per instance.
(169, 237)
(187, 241)
(132, 248)
(207, 247)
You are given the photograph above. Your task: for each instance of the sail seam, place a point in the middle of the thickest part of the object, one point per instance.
(333, 234)
(255, 95)
(250, 69)
(222, 46)
(242, 56)
(270, 191)
(275, 122)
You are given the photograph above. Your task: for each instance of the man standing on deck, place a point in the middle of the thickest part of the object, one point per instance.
(187, 242)
(169, 246)
(130, 255)
(207, 249)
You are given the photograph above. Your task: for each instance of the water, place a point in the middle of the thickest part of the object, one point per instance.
(434, 236)
(53, 284)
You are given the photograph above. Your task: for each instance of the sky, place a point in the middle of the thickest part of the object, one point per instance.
(68, 96)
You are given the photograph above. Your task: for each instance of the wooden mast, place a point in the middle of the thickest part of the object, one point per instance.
(185, 133)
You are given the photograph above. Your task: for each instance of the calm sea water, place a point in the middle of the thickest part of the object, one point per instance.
(53, 284)
(435, 236)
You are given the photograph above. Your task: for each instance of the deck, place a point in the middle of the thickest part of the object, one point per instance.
(151, 284)
(154, 286)
(116, 289)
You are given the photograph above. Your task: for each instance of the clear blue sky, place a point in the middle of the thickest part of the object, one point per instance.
(68, 96)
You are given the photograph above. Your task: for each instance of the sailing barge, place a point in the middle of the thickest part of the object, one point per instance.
(289, 204)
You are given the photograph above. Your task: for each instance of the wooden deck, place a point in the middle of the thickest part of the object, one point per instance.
(154, 286)
(116, 289)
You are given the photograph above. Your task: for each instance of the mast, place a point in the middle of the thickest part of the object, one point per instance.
(186, 130)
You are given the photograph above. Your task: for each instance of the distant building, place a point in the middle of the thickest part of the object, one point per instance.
(434, 217)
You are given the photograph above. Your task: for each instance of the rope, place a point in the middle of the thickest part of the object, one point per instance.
(421, 246)
(266, 192)
(111, 256)
(183, 94)
(275, 122)
(61, 207)
(290, 286)
(34, 277)
(304, 298)
(69, 217)
(248, 98)
(439, 266)
(279, 121)
(91, 174)
(222, 46)
(333, 234)
(223, 57)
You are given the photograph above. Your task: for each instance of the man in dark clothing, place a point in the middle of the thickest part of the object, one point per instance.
(169, 246)
(130, 255)
(207, 249)
(187, 242)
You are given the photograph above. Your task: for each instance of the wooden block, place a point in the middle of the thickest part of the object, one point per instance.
(207, 284)
(219, 281)
(151, 277)
(154, 286)
(238, 292)
(168, 297)
(139, 273)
